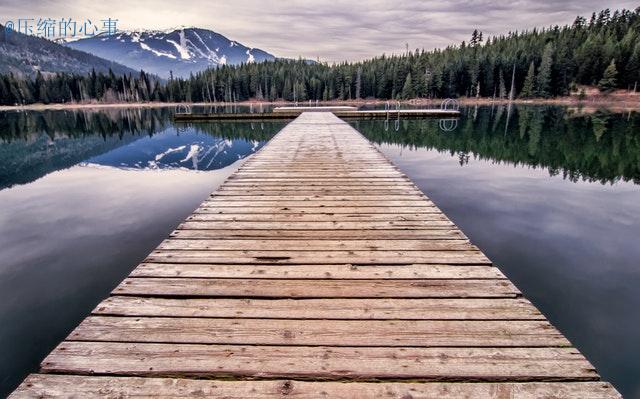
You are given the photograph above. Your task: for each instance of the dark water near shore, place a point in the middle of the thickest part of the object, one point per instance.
(552, 196)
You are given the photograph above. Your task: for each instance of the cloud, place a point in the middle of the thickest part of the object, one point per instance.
(335, 31)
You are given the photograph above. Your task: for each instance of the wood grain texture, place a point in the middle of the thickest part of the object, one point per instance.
(367, 333)
(325, 309)
(307, 288)
(59, 386)
(319, 271)
(256, 361)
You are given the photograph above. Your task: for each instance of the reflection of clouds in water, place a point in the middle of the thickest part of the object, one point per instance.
(69, 237)
(570, 247)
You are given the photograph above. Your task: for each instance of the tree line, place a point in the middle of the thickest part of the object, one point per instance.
(603, 50)
(66, 87)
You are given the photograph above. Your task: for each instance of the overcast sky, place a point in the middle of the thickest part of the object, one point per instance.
(333, 30)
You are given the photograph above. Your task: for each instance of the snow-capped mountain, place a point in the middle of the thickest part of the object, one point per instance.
(182, 51)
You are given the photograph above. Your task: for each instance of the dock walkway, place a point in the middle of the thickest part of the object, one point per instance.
(317, 270)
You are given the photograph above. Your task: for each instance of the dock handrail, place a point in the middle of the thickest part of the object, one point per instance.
(448, 125)
(455, 105)
(186, 107)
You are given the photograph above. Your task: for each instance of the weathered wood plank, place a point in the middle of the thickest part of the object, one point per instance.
(222, 203)
(345, 308)
(427, 364)
(317, 271)
(60, 386)
(326, 217)
(315, 197)
(366, 333)
(302, 187)
(364, 194)
(422, 234)
(460, 257)
(305, 288)
(361, 210)
(325, 245)
(235, 179)
(335, 225)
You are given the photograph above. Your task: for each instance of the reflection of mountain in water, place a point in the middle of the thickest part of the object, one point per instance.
(169, 150)
(33, 144)
(25, 161)
(600, 147)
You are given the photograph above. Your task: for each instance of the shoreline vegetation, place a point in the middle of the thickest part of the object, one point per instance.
(618, 101)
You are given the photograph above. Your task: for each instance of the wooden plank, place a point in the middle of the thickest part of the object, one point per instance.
(59, 386)
(317, 271)
(345, 308)
(352, 200)
(364, 194)
(305, 288)
(371, 168)
(301, 217)
(222, 203)
(316, 174)
(335, 225)
(318, 183)
(423, 234)
(366, 333)
(362, 210)
(426, 364)
(319, 257)
(307, 186)
(324, 245)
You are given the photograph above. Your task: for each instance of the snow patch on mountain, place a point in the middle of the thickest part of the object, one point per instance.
(182, 50)
(156, 52)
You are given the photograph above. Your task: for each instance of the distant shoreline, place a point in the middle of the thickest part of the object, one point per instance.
(620, 102)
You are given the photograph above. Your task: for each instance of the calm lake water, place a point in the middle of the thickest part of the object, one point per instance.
(552, 196)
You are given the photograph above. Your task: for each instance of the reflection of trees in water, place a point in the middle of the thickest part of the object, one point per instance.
(600, 147)
(80, 123)
(35, 143)
(29, 125)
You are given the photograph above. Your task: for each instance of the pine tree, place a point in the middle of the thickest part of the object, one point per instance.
(632, 69)
(608, 83)
(474, 38)
(512, 91)
(528, 89)
(358, 83)
(502, 89)
(407, 89)
(544, 74)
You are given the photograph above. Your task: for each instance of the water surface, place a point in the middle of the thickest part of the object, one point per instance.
(552, 197)
(85, 197)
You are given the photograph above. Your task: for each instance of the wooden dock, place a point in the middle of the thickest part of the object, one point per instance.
(342, 112)
(317, 270)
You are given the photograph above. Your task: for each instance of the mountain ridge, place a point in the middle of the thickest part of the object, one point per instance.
(26, 55)
(179, 52)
